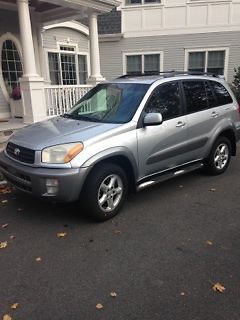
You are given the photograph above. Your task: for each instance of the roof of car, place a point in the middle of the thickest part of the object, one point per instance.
(149, 79)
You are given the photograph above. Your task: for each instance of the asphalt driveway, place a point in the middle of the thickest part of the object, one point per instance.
(160, 258)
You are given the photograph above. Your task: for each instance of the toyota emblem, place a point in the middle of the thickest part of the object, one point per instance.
(16, 152)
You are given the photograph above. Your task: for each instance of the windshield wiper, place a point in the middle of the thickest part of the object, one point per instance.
(79, 117)
(67, 115)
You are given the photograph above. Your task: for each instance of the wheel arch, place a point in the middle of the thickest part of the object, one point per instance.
(230, 135)
(125, 160)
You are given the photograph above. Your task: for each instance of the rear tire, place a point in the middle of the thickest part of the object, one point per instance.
(105, 191)
(219, 157)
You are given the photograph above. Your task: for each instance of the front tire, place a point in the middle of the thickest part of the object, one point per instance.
(105, 191)
(220, 156)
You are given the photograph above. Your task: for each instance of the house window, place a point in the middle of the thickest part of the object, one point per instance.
(11, 65)
(67, 67)
(212, 61)
(143, 63)
(140, 2)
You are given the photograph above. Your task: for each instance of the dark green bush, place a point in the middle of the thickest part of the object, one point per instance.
(236, 83)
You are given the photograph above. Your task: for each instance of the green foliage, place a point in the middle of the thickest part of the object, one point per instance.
(236, 83)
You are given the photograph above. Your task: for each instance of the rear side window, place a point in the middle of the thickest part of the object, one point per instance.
(222, 95)
(210, 96)
(166, 100)
(195, 95)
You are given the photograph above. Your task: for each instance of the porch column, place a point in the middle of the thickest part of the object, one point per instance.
(95, 75)
(27, 39)
(32, 85)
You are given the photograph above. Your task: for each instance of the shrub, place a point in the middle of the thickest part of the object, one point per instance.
(236, 83)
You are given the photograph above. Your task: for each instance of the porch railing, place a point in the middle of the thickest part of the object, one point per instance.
(59, 99)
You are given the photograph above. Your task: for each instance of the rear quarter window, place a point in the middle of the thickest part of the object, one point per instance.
(222, 95)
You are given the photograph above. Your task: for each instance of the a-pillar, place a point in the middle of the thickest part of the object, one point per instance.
(32, 85)
(95, 76)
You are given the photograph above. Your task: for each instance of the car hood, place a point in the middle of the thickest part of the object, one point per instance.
(57, 131)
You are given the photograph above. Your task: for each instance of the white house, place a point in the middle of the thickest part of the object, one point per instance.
(53, 58)
(157, 35)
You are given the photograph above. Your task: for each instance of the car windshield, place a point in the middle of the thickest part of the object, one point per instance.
(110, 103)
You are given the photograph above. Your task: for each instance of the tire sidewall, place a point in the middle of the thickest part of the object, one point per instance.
(211, 161)
(95, 179)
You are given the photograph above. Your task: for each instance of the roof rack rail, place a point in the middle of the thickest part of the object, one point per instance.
(140, 74)
(171, 73)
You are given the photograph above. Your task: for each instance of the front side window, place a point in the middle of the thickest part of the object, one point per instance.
(207, 61)
(142, 63)
(195, 95)
(109, 103)
(166, 100)
(11, 65)
(67, 67)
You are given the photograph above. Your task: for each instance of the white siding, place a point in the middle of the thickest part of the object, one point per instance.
(181, 16)
(67, 35)
(173, 47)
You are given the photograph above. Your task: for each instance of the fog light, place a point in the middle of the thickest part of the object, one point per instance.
(52, 186)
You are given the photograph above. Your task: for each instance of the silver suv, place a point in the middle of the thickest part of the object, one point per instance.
(125, 135)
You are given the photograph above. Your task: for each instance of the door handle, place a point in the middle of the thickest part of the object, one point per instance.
(180, 124)
(214, 114)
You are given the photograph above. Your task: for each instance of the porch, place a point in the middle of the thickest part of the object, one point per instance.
(39, 98)
(59, 99)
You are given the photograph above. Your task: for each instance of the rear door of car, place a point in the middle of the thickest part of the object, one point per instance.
(203, 115)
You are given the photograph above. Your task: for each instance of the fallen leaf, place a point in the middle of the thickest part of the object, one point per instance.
(14, 306)
(3, 183)
(38, 259)
(209, 243)
(4, 201)
(212, 189)
(5, 190)
(99, 306)
(113, 294)
(218, 287)
(12, 237)
(4, 225)
(61, 234)
(117, 232)
(7, 317)
(3, 244)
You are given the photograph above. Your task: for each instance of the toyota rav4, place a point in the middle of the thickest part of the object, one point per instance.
(126, 135)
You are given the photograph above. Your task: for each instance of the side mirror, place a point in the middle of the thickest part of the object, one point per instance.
(152, 119)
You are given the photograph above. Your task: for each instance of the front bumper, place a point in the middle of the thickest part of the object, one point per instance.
(32, 180)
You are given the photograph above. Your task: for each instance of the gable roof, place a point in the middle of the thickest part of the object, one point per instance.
(108, 23)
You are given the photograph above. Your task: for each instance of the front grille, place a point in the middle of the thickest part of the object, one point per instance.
(20, 153)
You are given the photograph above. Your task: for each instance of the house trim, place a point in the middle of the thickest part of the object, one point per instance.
(206, 50)
(70, 24)
(75, 53)
(140, 52)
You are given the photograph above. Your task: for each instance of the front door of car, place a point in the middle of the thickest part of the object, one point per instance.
(161, 147)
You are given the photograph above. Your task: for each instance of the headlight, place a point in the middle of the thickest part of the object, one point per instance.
(62, 153)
